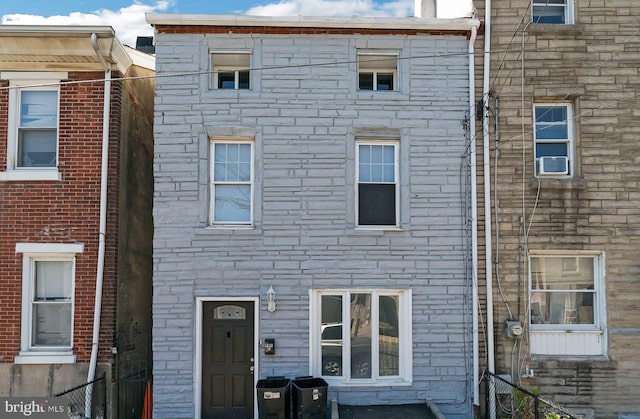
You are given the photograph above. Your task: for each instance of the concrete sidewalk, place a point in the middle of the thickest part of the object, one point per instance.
(404, 411)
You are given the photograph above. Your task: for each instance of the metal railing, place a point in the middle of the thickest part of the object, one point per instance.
(76, 398)
(505, 400)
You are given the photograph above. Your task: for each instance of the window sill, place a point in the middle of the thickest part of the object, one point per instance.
(363, 383)
(373, 231)
(33, 357)
(563, 184)
(554, 28)
(229, 230)
(30, 175)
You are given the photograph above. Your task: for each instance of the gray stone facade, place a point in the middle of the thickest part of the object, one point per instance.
(304, 114)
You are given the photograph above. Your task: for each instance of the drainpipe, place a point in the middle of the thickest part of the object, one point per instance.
(474, 213)
(487, 199)
(103, 224)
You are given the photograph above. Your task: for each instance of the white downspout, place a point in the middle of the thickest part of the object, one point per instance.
(103, 224)
(474, 211)
(487, 200)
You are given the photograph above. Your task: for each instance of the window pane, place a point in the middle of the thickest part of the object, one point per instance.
(389, 345)
(385, 81)
(562, 307)
(51, 324)
(53, 280)
(232, 203)
(360, 335)
(37, 148)
(551, 149)
(551, 122)
(562, 273)
(244, 162)
(365, 81)
(548, 14)
(226, 80)
(331, 335)
(243, 77)
(39, 108)
(377, 204)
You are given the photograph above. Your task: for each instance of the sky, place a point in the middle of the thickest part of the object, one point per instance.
(127, 17)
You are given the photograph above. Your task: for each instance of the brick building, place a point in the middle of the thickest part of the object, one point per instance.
(562, 124)
(74, 217)
(312, 189)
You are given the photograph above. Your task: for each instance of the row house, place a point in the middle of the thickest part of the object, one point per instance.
(562, 190)
(75, 209)
(313, 192)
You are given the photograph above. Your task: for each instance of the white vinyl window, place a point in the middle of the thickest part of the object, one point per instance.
(231, 70)
(377, 184)
(377, 72)
(554, 140)
(232, 182)
(32, 136)
(567, 304)
(552, 11)
(48, 302)
(361, 337)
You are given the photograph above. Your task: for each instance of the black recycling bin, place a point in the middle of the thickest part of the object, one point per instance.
(274, 398)
(309, 398)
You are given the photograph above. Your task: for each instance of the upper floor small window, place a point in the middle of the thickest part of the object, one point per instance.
(377, 184)
(552, 11)
(553, 135)
(377, 71)
(231, 70)
(232, 182)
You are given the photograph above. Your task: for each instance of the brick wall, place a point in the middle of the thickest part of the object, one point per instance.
(64, 212)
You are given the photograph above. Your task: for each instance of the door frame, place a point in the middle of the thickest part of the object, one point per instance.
(197, 365)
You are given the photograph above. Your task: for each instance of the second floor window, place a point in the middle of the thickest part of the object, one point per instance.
(552, 11)
(377, 72)
(230, 70)
(553, 135)
(232, 183)
(377, 184)
(36, 143)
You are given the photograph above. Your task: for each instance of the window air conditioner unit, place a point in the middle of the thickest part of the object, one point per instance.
(553, 166)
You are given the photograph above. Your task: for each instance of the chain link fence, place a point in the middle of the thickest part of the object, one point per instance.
(78, 399)
(505, 400)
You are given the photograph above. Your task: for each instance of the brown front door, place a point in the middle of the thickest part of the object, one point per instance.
(227, 359)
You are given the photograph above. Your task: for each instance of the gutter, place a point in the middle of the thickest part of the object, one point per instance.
(474, 214)
(103, 224)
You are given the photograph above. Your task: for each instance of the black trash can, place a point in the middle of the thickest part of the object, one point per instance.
(309, 398)
(274, 398)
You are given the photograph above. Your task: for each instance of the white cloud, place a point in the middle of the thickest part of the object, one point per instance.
(395, 8)
(128, 22)
(399, 8)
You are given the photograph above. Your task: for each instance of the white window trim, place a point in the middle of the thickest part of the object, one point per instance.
(30, 253)
(396, 163)
(596, 332)
(235, 69)
(405, 377)
(376, 70)
(568, 11)
(212, 183)
(17, 82)
(570, 140)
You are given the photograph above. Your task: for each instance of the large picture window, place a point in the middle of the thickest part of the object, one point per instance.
(362, 336)
(377, 184)
(232, 182)
(567, 303)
